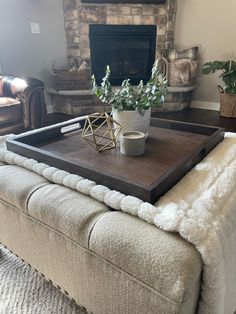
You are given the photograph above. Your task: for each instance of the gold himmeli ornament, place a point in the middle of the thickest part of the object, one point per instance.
(101, 131)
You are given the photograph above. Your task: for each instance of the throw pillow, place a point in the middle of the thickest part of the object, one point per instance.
(1, 87)
(175, 54)
(7, 101)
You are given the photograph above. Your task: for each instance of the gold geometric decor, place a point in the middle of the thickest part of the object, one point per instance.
(101, 131)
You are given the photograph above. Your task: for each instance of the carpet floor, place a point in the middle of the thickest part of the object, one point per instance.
(25, 291)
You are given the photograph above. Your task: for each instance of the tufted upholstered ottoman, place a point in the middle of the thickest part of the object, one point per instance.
(109, 261)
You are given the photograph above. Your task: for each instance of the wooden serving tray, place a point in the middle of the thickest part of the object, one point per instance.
(172, 149)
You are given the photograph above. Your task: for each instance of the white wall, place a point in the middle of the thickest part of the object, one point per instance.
(210, 24)
(23, 53)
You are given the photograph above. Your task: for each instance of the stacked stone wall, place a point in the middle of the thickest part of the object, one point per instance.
(78, 16)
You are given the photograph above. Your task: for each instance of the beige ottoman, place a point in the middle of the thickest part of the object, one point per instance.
(109, 261)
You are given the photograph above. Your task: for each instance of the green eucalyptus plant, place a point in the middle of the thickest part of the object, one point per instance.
(128, 97)
(228, 75)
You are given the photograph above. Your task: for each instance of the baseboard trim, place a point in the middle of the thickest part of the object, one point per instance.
(205, 105)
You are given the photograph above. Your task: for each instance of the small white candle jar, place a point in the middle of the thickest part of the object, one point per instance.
(132, 143)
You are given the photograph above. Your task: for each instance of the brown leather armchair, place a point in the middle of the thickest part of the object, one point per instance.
(22, 104)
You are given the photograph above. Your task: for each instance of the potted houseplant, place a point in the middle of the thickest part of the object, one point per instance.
(228, 91)
(131, 105)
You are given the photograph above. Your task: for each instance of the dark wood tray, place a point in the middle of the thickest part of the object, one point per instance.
(172, 149)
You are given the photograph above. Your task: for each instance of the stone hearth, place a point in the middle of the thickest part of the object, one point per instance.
(82, 102)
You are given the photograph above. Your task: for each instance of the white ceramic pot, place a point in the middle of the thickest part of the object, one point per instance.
(133, 121)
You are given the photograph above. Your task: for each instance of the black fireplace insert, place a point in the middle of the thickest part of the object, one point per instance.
(129, 50)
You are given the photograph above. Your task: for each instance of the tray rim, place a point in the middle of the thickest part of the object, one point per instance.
(18, 146)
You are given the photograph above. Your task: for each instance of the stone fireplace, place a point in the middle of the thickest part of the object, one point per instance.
(80, 18)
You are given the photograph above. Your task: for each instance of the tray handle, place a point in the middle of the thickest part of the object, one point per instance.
(51, 131)
(71, 128)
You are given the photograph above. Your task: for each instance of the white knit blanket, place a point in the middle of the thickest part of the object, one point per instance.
(201, 207)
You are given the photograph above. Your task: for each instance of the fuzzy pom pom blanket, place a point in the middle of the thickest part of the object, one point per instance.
(201, 207)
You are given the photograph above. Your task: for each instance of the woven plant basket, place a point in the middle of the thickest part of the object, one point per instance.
(228, 105)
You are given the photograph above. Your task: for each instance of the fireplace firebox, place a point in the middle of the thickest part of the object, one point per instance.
(129, 50)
